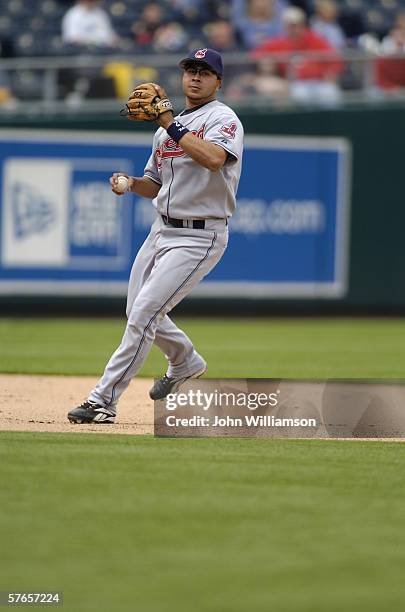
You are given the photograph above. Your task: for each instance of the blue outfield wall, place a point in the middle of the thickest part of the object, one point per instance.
(65, 233)
(319, 218)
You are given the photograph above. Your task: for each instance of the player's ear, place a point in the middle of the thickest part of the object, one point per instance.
(219, 84)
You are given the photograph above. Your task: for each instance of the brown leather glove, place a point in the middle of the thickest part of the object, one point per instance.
(145, 104)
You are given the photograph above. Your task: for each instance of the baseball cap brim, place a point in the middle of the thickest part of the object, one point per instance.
(188, 62)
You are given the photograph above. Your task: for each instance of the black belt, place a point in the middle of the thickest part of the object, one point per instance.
(195, 224)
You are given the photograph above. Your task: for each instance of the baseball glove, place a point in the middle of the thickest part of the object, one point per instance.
(145, 103)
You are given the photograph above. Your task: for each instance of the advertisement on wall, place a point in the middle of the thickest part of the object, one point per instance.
(63, 231)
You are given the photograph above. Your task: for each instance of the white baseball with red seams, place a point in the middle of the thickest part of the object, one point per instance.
(173, 259)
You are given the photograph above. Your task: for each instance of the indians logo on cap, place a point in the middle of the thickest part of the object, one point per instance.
(200, 53)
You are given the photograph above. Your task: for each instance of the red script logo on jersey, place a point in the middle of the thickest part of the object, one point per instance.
(200, 53)
(171, 148)
(228, 130)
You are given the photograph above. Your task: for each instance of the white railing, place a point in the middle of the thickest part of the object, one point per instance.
(36, 84)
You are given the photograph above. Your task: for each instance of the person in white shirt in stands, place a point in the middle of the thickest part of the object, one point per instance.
(86, 23)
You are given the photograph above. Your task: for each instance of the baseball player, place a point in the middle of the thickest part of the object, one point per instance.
(192, 176)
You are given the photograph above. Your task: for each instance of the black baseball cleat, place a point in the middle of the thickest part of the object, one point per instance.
(91, 413)
(170, 384)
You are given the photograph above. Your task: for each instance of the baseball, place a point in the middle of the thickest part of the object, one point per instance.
(122, 184)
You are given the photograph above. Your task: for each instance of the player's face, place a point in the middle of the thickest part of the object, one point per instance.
(200, 84)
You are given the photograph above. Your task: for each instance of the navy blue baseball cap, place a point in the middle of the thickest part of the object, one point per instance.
(208, 57)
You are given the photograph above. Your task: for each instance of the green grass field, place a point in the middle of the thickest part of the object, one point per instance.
(269, 348)
(122, 523)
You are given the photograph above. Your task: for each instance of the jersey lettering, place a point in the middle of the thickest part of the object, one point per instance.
(171, 148)
(188, 188)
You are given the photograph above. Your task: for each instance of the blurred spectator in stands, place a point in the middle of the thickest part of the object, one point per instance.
(257, 20)
(391, 70)
(87, 23)
(263, 83)
(395, 41)
(170, 37)
(188, 11)
(314, 78)
(197, 12)
(325, 23)
(220, 36)
(149, 22)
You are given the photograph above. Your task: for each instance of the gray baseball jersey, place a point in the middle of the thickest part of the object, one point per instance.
(174, 259)
(190, 191)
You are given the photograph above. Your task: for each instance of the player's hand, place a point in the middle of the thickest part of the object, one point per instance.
(114, 183)
(164, 119)
(160, 91)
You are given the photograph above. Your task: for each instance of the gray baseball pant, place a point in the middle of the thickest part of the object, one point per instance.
(169, 264)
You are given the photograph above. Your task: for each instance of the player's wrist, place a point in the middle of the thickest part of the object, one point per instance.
(177, 130)
(132, 181)
(165, 119)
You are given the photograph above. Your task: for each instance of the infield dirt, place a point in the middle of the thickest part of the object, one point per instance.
(40, 403)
